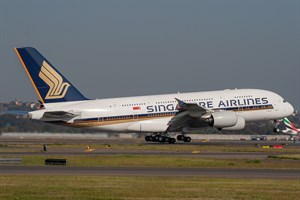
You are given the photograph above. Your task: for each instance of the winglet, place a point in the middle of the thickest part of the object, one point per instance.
(180, 104)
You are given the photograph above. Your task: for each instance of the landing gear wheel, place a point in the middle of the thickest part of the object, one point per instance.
(147, 138)
(160, 137)
(276, 130)
(167, 139)
(187, 139)
(183, 138)
(180, 137)
(156, 138)
(151, 138)
(172, 141)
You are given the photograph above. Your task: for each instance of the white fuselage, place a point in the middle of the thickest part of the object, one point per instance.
(152, 113)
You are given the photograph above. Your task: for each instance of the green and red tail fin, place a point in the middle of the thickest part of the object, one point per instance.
(289, 125)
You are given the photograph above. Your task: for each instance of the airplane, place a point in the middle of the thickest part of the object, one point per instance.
(159, 115)
(290, 129)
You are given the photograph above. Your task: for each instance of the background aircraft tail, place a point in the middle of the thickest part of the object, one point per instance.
(290, 126)
(50, 85)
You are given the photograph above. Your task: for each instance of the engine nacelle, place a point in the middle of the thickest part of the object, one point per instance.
(222, 119)
(239, 125)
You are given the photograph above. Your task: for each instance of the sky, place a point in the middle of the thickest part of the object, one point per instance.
(131, 48)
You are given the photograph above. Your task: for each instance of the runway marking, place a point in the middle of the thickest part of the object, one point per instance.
(89, 150)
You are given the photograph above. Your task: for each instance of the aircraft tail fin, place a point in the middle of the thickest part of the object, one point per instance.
(50, 85)
(289, 125)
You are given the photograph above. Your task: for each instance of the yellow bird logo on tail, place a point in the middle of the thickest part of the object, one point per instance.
(58, 88)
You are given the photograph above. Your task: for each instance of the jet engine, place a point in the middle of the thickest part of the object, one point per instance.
(240, 124)
(222, 119)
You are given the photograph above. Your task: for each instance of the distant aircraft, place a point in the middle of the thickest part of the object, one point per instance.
(226, 109)
(290, 129)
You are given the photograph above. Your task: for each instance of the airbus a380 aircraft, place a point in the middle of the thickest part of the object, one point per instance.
(63, 104)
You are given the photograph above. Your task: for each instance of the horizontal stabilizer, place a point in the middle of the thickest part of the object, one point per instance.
(59, 115)
(54, 116)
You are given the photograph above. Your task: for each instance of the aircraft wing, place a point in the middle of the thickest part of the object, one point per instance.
(188, 115)
(182, 106)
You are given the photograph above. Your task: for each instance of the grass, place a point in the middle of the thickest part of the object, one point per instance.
(145, 147)
(289, 157)
(46, 187)
(125, 160)
(154, 160)
(179, 147)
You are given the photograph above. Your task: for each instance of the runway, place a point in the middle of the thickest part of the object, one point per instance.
(15, 140)
(14, 147)
(153, 171)
(218, 155)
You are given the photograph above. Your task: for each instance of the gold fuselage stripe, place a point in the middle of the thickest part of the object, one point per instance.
(93, 123)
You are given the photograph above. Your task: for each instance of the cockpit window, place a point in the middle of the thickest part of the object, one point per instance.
(284, 101)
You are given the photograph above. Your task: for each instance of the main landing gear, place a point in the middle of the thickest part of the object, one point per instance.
(164, 138)
(161, 138)
(184, 138)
